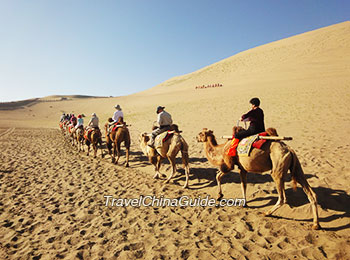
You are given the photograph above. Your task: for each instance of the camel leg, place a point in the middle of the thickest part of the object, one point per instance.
(102, 155)
(243, 176)
(312, 199)
(118, 152)
(88, 149)
(173, 165)
(95, 149)
(157, 167)
(109, 146)
(127, 147)
(186, 166)
(114, 152)
(127, 150)
(281, 194)
(218, 180)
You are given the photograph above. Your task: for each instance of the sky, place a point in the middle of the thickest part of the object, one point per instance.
(115, 48)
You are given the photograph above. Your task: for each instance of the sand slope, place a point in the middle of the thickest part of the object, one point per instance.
(303, 83)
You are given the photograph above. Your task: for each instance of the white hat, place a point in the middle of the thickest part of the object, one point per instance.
(93, 114)
(118, 107)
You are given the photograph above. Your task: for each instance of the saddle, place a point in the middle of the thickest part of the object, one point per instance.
(117, 125)
(243, 147)
(162, 138)
(173, 127)
(87, 133)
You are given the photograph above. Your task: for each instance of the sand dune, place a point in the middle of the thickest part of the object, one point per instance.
(52, 197)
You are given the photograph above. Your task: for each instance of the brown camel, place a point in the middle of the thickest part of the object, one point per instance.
(274, 155)
(80, 138)
(66, 128)
(114, 140)
(61, 124)
(72, 134)
(94, 137)
(170, 149)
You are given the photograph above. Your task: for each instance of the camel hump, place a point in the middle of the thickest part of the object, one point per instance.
(175, 128)
(271, 131)
(236, 129)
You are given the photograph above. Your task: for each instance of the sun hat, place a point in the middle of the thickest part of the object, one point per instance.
(160, 107)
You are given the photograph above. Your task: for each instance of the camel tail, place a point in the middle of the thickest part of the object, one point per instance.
(295, 169)
(184, 153)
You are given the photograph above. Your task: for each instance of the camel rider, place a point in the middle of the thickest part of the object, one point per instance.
(80, 122)
(164, 120)
(118, 118)
(63, 117)
(73, 120)
(256, 118)
(118, 115)
(94, 122)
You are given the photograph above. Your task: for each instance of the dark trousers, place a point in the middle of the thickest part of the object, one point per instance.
(245, 133)
(160, 130)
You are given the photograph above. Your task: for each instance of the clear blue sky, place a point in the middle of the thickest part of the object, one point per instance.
(117, 48)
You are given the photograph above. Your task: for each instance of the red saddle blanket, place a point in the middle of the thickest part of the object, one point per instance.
(259, 142)
(232, 151)
(87, 133)
(168, 135)
(115, 126)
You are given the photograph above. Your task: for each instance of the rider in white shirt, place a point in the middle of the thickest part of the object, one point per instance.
(164, 120)
(118, 118)
(118, 114)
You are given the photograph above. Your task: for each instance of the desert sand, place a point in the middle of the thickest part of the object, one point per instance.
(52, 197)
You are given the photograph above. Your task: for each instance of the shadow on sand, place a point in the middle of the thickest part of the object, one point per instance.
(327, 198)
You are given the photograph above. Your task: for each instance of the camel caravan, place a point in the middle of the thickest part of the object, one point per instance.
(251, 149)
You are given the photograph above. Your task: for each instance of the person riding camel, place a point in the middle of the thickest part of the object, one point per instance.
(256, 118)
(80, 122)
(94, 122)
(63, 117)
(117, 119)
(164, 120)
(73, 120)
(257, 125)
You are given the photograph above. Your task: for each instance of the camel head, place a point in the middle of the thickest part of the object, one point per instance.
(144, 138)
(203, 135)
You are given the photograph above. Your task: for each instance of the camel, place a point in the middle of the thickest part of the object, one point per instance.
(72, 134)
(94, 138)
(114, 139)
(80, 138)
(61, 125)
(66, 128)
(274, 155)
(170, 149)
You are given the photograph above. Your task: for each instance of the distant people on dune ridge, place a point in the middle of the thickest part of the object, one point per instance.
(217, 85)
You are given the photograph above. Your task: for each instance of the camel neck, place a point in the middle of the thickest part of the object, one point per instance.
(212, 141)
